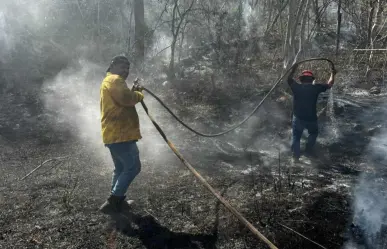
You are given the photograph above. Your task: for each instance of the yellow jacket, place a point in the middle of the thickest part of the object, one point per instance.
(119, 118)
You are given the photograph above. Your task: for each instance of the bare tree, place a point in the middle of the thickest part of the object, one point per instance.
(139, 30)
(182, 36)
(317, 13)
(372, 6)
(338, 26)
(281, 8)
(178, 17)
(294, 15)
(375, 27)
(302, 30)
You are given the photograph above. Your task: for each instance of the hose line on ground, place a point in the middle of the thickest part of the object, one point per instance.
(248, 116)
(238, 215)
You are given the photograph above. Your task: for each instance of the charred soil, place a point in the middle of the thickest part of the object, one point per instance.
(56, 207)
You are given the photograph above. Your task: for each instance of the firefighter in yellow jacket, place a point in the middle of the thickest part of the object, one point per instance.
(120, 131)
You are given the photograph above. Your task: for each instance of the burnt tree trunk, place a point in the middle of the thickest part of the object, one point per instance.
(375, 30)
(338, 26)
(139, 30)
(172, 61)
(317, 14)
(178, 17)
(370, 21)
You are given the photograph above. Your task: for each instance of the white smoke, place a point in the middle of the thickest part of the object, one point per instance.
(72, 99)
(371, 205)
(161, 47)
(253, 16)
(72, 96)
(6, 39)
(370, 196)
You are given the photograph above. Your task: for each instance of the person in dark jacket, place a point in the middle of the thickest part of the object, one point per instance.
(305, 96)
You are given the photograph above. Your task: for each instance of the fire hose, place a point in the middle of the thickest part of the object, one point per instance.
(249, 115)
(240, 217)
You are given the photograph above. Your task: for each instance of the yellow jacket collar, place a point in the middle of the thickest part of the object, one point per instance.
(109, 74)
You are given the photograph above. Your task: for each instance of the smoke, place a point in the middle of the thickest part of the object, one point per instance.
(253, 16)
(370, 197)
(256, 135)
(17, 17)
(72, 99)
(52, 42)
(161, 47)
(370, 213)
(371, 205)
(6, 40)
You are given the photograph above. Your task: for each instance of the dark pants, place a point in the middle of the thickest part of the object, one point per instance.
(127, 165)
(298, 127)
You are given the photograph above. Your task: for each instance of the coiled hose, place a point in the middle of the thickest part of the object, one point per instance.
(248, 116)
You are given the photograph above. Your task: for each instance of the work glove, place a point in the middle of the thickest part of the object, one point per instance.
(137, 87)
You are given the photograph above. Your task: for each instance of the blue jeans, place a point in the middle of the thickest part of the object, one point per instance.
(127, 165)
(298, 127)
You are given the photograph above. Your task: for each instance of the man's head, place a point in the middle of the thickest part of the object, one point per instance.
(120, 65)
(306, 77)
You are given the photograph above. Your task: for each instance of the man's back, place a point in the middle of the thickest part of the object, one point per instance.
(119, 121)
(305, 99)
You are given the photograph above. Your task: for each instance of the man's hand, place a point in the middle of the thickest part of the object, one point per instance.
(292, 72)
(137, 87)
(331, 80)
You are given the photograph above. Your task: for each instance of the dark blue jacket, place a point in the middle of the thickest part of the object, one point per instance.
(305, 99)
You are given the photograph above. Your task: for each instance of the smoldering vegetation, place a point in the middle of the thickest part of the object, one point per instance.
(369, 217)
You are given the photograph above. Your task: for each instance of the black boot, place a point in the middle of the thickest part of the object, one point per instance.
(295, 159)
(125, 205)
(310, 153)
(112, 205)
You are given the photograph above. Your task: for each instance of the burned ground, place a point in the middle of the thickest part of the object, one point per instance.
(56, 207)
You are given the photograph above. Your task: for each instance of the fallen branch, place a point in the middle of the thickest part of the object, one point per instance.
(150, 214)
(43, 163)
(53, 166)
(162, 50)
(302, 235)
(322, 111)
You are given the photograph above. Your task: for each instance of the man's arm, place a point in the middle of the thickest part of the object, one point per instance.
(122, 95)
(331, 80)
(291, 74)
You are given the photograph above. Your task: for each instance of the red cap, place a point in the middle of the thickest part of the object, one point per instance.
(307, 73)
